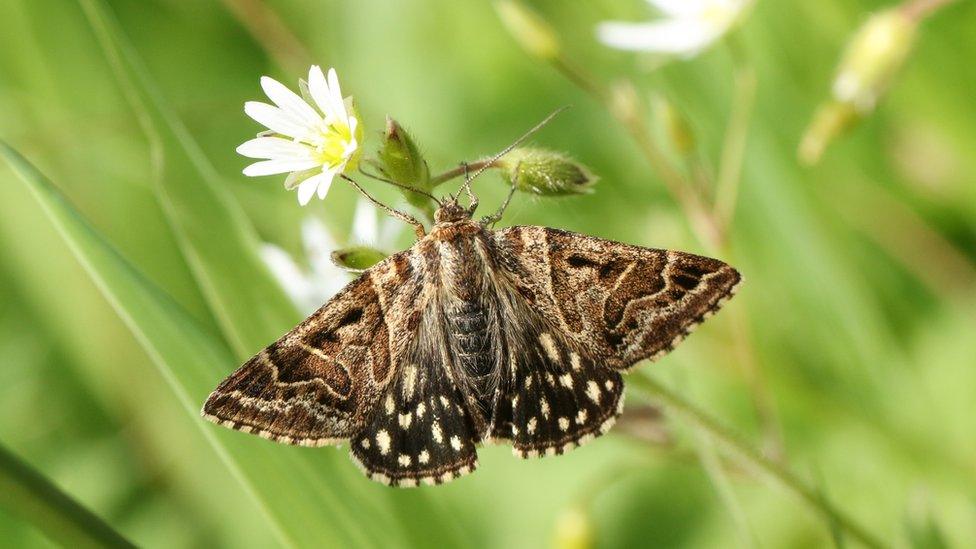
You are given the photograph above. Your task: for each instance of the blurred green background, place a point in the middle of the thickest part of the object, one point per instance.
(859, 294)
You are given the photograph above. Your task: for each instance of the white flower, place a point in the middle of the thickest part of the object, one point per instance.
(689, 26)
(310, 288)
(312, 139)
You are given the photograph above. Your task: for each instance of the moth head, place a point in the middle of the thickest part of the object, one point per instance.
(451, 211)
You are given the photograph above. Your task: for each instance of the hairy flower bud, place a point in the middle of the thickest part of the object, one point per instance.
(545, 172)
(400, 160)
(529, 30)
(357, 258)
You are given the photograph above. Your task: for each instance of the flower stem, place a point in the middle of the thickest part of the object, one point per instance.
(459, 171)
(28, 494)
(734, 146)
(753, 458)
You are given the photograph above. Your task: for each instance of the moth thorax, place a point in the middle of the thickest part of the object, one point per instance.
(450, 212)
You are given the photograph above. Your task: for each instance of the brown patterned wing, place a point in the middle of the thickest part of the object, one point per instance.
(318, 383)
(619, 303)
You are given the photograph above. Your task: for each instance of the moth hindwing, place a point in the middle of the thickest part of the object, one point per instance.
(470, 336)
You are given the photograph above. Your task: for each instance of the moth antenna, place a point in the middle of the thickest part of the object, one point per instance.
(400, 185)
(491, 161)
(418, 227)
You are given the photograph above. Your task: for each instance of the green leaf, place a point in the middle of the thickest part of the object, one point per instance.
(312, 497)
(218, 241)
(26, 493)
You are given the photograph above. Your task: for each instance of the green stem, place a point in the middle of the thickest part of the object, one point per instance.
(28, 494)
(458, 172)
(734, 146)
(751, 457)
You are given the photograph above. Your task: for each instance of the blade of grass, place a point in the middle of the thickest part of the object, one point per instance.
(751, 457)
(217, 239)
(28, 494)
(306, 505)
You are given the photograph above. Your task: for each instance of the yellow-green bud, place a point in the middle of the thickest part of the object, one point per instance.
(872, 59)
(573, 530)
(357, 258)
(674, 125)
(400, 160)
(545, 172)
(530, 30)
(875, 54)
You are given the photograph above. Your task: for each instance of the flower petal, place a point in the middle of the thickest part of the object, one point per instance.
(365, 226)
(276, 119)
(307, 190)
(287, 272)
(274, 148)
(336, 96)
(272, 167)
(681, 8)
(325, 182)
(289, 101)
(677, 36)
(318, 88)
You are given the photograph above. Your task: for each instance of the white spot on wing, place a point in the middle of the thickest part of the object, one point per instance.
(383, 440)
(405, 420)
(404, 460)
(365, 443)
(574, 360)
(444, 402)
(549, 346)
(421, 410)
(435, 431)
(593, 391)
(544, 406)
(563, 424)
(456, 443)
(566, 381)
(581, 417)
(531, 425)
(389, 404)
(424, 457)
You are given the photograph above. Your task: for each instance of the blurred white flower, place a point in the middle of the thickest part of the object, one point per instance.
(313, 139)
(689, 26)
(311, 287)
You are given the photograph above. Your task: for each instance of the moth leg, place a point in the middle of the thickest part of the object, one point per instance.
(496, 217)
(418, 227)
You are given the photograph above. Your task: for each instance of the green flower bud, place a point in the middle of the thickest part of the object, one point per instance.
(531, 31)
(875, 54)
(357, 258)
(400, 160)
(545, 172)
(872, 59)
(674, 125)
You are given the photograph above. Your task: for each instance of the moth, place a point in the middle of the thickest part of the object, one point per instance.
(472, 336)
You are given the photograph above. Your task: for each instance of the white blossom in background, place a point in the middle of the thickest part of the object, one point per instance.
(687, 28)
(310, 287)
(313, 137)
